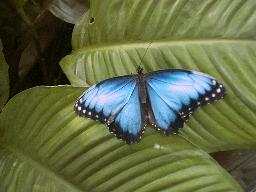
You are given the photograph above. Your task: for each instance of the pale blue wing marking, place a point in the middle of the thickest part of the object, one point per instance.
(128, 124)
(163, 114)
(106, 98)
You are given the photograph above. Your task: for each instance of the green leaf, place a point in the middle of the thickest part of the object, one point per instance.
(4, 78)
(80, 31)
(46, 147)
(117, 21)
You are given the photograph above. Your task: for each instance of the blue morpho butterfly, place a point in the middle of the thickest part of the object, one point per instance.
(162, 98)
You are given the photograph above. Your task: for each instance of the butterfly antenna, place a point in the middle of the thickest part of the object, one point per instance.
(139, 67)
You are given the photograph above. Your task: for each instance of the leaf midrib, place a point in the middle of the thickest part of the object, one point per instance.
(160, 43)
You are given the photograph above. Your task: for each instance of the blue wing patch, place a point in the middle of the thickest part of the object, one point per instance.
(175, 94)
(114, 102)
(129, 124)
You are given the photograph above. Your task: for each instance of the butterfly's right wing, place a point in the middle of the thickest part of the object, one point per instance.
(114, 102)
(175, 93)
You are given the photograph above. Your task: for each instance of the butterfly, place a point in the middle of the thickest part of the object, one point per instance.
(164, 98)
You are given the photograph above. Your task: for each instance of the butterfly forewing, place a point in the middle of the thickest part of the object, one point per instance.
(114, 102)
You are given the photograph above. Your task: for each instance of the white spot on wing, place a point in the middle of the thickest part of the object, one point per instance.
(79, 108)
(218, 90)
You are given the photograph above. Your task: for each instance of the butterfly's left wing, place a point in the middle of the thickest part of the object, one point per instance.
(174, 94)
(114, 102)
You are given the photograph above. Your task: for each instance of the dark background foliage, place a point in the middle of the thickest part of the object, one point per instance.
(33, 50)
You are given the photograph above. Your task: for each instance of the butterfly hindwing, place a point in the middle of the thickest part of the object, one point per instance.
(175, 94)
(161, 114)
(129, 123)
(114, 102)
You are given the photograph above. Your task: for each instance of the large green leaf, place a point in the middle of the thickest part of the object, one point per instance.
(4, 78)
(118, 21)
(46, 147)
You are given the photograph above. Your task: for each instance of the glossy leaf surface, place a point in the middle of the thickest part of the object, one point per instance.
(46, 147)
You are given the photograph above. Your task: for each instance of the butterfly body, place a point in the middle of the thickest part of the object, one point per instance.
(164, 98)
